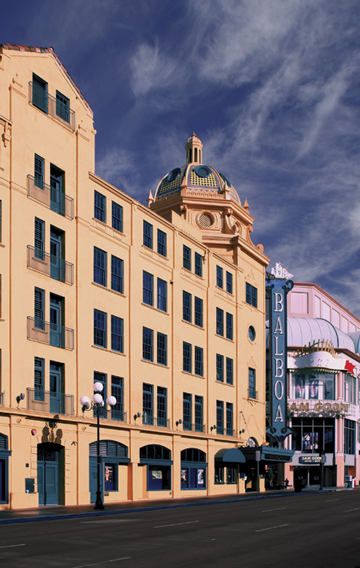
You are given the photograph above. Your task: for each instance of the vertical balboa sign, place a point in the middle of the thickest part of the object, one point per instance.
(278, 285)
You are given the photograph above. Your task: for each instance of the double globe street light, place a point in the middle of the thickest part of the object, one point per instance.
(97, 404)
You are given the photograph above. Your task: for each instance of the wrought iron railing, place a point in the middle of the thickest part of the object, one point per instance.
(55, 267)
(50, 105)
(150, 420)
(47, 401)
(193, 427)
(252, 393)
(51, 197)
(118, 415)
(50, 333)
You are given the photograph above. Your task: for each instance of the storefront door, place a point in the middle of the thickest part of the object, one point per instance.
(48, 474)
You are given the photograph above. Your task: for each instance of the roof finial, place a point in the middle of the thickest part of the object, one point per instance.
(150, 198)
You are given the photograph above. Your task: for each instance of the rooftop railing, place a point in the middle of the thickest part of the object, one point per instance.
(51, 105)
(46, 401)
(50, 333)
(51, 197)
(55, 267)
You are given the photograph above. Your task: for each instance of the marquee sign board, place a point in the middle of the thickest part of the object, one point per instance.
(277, 289)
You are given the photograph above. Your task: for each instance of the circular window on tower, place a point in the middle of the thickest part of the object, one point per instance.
(205, 220)
(202, 171)
(252, 333)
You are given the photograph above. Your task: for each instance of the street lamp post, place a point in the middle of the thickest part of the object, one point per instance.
(97, 403)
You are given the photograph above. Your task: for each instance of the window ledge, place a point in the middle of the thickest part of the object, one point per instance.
(193, 375)
(156, 364)
(108, 289)
(156, 309)
(226, 338)
(153, 252)
(2, 245)
(108, 350)
(193, 324)
(224, 383)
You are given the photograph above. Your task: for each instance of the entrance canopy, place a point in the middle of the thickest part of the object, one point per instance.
(230, 455)
(268, 454)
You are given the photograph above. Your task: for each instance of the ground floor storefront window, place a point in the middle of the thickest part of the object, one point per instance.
(4, 469)
(193, 469)
(158, 461)
(313, 435)
(112, 455)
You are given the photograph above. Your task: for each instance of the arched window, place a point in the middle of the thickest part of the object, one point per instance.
(193, 469)
(195, 152)
(112, 454)
(158, 462)
(109, 449)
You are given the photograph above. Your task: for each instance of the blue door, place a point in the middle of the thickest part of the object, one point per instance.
(93, 479)
(57, 196)
(56, 263)
(55, 322)
(48, 474)
(55, 389)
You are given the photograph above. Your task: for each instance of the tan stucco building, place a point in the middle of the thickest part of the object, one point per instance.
(164, 305)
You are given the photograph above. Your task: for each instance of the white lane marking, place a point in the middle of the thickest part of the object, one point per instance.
(350, 510)
(12, 545)
(268, 510)
(103, 562)
(109, 521)
(329, 500)
(176, 524)
(271, 528)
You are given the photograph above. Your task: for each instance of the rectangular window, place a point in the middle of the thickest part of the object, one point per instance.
(229, 325)
(219, 417)
(229, 419)
(229, 282)
(198, 312)
(251, 295)
(99, 206)
(229, 371)
(117, 274)
(100, 328)
(39, 171)
(186, 357)
(161, 406)
(198, 413)
(199, 361)
(350, 440)
(161, 242)
(252, 383)
(101, 378)
(62, 106)
(117, 217)
(350, 388)
(186, 306)
(39, 239)
(219, 368)
(219, 321)
(187, 257)
(39, 309)
(39, 378)
(219, 277)
(187, 417)
(148, 403)
(148, 342)
(148, 235)
(100, 262)
(40, 93)
(198, 264)
(219, 474)
(117, 334)
(57, 190)
(161, 295)
(148, 288)
(231, 474)
(161, 348)
(117, 390)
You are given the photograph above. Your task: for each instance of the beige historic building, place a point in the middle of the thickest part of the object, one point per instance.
(163, 305)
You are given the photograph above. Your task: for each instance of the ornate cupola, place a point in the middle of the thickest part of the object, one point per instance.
(193, 149)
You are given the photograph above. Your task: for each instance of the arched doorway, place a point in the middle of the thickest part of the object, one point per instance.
(50, 470)
(112, 455)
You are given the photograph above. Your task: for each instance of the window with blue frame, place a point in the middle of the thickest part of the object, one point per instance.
(161, 242)
(148, 408)
(198, 358)
(229, 419)
(219, 321)
(100, 261)
(39, 381)
(99, 206)
(39, 243)
(117, 390)
(251, 295)
(198, 264)
(252, 383)
(186, 357)
(117, 217)
(39, 309)
(219, 474)
(231, 475)
(40, 93)
(229, 371)
(39, 171)
(229, 326)
(161, 348)
(5, 453)
(198, 309)
(62, 107)
(219, 277)
(187, 257)
(161, 295)
(117, 334)
(101, 378)
(219, 417)
(187, 416)
(158, 461)
(148, 288)
(100, 328)
(148, 343)
(161, 406)
(229, 282)
(117, 274)
(186, 306)
(199, 426)
(57, 190)
(147, 235)
(219, 367)
(193, 469)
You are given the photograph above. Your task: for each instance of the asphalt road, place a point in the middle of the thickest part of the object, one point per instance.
(297, 531)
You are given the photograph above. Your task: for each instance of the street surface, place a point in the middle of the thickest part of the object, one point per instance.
(297, 531)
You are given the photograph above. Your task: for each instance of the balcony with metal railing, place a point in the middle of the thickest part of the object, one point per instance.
(55, 267)
(51, 197)
(150, 420)
(222, 431)
(50, 333)
(197, 427)
(46, 401)
(56, 108)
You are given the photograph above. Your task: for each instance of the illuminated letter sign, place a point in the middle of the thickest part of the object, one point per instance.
(277, 290)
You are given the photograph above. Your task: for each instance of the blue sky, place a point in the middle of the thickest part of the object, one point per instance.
(270, 86)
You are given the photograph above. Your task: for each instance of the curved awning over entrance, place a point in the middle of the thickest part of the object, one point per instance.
(230, 455)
